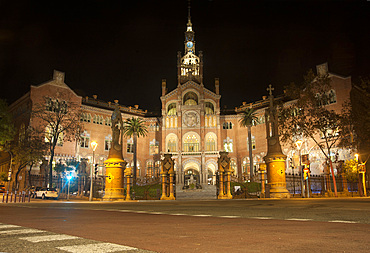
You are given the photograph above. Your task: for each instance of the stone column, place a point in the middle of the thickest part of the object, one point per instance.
(221, 186)
(172, 196)
(128, 183)
(114, 179)
(276, 175)
(164, 195)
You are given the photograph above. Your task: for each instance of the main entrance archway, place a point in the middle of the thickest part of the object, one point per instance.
(191, 174)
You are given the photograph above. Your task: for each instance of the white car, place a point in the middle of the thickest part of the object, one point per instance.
(45, 193)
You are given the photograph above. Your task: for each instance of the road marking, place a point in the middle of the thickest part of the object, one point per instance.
(141, 212)
(96, 248)
(229, 216)
(21, 231)
(342, 221)
(2, 226)
(125, 211)
(156, 213)
(261, 218)
(297, 219)
(178, 214)
(46, 238)
(201, 215)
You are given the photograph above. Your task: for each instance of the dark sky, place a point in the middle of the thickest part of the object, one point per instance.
(122, 49)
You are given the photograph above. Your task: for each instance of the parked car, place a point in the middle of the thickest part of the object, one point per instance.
(46, 193)
(2, 188)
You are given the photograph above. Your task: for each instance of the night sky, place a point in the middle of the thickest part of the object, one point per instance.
(122, 49)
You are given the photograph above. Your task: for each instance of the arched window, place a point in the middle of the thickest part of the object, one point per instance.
(190, 98)
(233, 167)
(138, 168)
(211, 141)
(107, 142)
(130, 146)
(149, 169)
(253, 143)
(153, 147)
(171, 143)
(157, 168)
(191, 143)
(332, 97)
(85, 140)
(228, 145)
(209, 108)
(171, 109)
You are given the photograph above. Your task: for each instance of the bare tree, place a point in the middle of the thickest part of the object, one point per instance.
(60, 120)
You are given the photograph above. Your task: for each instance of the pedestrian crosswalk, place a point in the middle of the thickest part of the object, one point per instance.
(14, 238)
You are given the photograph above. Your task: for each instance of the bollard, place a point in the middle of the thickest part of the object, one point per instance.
(29, 196)
(7, 195)
(3, 197)
(11, 197)
(15, 196)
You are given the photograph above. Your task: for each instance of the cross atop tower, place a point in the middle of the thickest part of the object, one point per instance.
(270, 89)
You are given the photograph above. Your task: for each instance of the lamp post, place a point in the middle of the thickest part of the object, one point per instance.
(69, 177)
(94, 144)
(299, 143)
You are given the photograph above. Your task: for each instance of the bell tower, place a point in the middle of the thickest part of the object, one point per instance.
(190, 66)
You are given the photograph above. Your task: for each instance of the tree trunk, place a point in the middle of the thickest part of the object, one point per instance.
(332, 174)
(51, 169)
(250, 153)
(29, 175)
(135, 158)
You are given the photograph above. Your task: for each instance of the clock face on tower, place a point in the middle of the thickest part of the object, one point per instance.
(189, 44)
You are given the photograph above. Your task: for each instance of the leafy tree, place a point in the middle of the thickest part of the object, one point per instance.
(7, 130)
(60, 121)
(310, 117)
(134, 127)
(28, 150)
(350, 170)
(248, 120)
(360, 117)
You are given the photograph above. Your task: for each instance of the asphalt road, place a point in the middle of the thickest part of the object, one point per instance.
(291, 225)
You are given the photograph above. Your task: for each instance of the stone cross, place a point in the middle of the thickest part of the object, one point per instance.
(270, 89)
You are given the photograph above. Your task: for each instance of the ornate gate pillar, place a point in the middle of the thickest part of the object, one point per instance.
(224, 176)
(168, 174)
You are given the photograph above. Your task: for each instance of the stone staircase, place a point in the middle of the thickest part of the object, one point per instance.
(207, 192)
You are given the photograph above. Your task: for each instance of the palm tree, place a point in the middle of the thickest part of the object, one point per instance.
(134, 127)
(249, 119)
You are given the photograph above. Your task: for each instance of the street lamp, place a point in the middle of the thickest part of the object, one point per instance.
(94, 144)
(69, 177)
(299, 143)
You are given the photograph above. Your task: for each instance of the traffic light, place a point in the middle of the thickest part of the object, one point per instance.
(96, 169)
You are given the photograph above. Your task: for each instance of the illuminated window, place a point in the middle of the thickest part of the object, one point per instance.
(171, 143)
(130, 146)
(209, 108)
(138, 168)
(227, 125)
(228, 145)
(211, 142)
(149, 169)
(253, 143)
(157, 168)
(190, 98)
(233, 167)
(85, 140)
(191, 143)
(153, 147)
(171, 110)
(107, 143)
